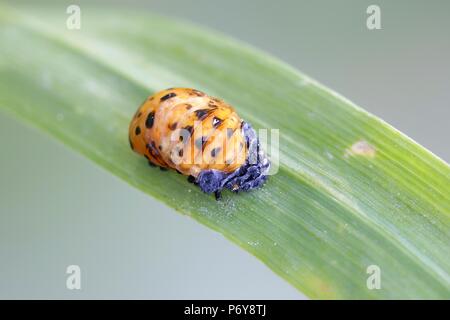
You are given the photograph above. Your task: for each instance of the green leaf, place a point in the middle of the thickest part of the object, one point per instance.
(351, 191)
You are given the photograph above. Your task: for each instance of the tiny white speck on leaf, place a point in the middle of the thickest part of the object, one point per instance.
(360, 148)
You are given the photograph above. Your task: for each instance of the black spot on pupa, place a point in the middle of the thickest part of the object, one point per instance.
(216, 122)
(154, 147)
(168, 96)
(200, 142)
(201, 113)
(173, 126)
(160, 147)
(137, 131)
(188, 106)
(150, 120)
(215, 151)
(180, 153)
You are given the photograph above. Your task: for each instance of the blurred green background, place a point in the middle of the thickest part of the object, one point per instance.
(58, 209)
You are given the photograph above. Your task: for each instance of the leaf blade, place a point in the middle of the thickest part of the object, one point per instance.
(331, 211)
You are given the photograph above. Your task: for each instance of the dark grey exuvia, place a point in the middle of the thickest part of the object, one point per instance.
(249, 176)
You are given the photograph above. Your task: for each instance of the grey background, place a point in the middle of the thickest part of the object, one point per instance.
(139, 248)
